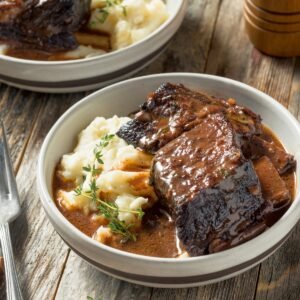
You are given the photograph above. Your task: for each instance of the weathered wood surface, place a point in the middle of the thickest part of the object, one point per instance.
(212, 40)
(279, 277)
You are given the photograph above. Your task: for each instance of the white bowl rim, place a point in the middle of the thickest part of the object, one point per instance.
(109, 55)
(293, 212)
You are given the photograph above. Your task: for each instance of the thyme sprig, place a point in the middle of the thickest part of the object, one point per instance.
(108, 209)
(104, 11)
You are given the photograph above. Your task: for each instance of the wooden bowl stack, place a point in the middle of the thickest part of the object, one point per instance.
(273, 26)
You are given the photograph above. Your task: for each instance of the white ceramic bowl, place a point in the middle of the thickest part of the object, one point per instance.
(94, 72)
(123, 98)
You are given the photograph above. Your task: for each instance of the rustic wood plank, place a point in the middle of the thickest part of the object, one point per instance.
(82, 280)
(294, 103)
(188, 50)
(39, 252)
(233, 56)
(280, 274)
(236, 288)
(197, 29)
(18, 111)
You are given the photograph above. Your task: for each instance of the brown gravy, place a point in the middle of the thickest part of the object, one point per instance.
(36, 54)
(290, 177)
(157, 235)
(15, 50)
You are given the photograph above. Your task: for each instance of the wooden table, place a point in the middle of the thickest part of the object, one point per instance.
(211, 40)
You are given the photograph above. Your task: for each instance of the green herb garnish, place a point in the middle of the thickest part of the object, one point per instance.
(104, 12)
(223, 172)
(91, 298)
(108, 209)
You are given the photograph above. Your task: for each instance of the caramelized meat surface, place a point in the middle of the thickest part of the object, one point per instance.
(223, 216)
(174, 109)
(42, 24)
(216, 196)
(282, 161)
(203, 171)
(273, 187)
(209, 153)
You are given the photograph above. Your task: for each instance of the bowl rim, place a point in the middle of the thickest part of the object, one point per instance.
(292, 214)
(109, 55)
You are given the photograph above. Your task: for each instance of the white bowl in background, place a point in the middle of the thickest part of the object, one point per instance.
(91, 73)
(121, 99)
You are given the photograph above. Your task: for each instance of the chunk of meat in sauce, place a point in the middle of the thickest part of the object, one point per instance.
(46, 25)
(224, 216)
(173, 109)
(198, 159)
(283, 161)
(216, 197)
(273, 187)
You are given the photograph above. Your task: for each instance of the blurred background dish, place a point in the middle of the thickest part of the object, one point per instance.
(90, 73)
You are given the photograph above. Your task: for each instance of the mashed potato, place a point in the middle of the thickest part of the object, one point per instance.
(128, 22)
(123, 177)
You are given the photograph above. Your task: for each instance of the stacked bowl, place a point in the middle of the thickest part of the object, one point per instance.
(274, 26)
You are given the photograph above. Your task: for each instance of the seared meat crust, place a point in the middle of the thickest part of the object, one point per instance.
(46, 25)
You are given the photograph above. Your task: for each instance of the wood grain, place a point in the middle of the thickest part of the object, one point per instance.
(236, 288)
(280, 274)
(233, 56)
(82, 280)
(188, 50)
(39, 252)
(18, 111)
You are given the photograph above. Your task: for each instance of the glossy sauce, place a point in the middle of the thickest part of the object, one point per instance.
(157, 235)
(290, 177)
(14, 50)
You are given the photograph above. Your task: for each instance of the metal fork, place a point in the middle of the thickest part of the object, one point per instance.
(9, 210)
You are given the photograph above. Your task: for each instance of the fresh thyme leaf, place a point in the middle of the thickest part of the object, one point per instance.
(109, 210)
(140, 213)
(104, 13)
(124, 10)
(87, 168)
(120, 227)
(93, 189)
(91, 298)
(225, 173)
(99, 158)
(78, 190)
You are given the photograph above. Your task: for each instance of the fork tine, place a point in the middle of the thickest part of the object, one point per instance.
(10, 178)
